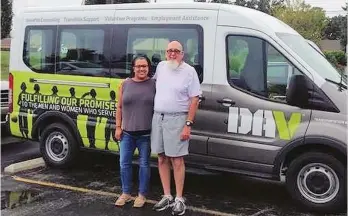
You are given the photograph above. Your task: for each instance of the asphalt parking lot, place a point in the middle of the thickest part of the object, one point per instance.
(92, 186)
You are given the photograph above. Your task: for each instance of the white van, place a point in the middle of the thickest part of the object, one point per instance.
(272, 105)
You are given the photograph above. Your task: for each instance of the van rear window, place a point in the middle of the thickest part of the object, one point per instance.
(39, 49)
(107, 50)
(82, 51)
(151, 41)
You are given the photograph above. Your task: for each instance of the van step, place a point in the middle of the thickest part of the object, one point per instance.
(241, 172)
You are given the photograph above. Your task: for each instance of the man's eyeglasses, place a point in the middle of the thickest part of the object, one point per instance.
(176, 51)
(141, 66)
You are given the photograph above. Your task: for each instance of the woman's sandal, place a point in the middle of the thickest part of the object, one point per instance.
(123, 199)
(139, 202)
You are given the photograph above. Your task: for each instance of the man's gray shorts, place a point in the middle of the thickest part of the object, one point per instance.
(166, 132)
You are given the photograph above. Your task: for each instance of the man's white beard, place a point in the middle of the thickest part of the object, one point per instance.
(172, 64)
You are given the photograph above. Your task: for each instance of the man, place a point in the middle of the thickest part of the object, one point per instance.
(176, 102)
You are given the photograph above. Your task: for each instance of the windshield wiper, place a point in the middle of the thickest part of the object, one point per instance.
(341, 85)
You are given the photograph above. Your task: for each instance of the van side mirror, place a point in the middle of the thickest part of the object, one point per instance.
(298, 93)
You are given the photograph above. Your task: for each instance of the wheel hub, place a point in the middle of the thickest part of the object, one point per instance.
(318, 183)
(57, 146)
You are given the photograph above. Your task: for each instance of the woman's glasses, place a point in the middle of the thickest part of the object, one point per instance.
(140, 66)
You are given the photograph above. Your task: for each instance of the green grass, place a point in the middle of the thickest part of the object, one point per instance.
(5, 60)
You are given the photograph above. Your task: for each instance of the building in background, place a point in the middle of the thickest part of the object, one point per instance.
(330, 45)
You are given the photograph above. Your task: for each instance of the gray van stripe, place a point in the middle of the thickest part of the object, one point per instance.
(246, 144)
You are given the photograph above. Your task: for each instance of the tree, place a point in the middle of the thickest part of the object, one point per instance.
(333, 31)
(309, 21)
(128, 1)
(261, 5)
(344, 30)
(343, 37)
(219, 1)
(6, 18)
(94, 2)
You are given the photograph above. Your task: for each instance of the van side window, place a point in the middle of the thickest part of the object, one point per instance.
(81, 51)
(279, 72)
(38, 53)
(152, 41)
(257, 67)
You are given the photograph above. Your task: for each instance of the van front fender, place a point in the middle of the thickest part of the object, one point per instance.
(309, 143)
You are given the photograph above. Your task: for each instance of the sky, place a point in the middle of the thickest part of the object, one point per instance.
(18, 4)
(332, 7)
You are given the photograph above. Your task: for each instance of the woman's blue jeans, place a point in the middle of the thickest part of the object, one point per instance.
(127, 147)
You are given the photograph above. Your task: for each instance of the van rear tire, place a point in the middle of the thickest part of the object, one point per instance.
(318, 182)
(58, 146)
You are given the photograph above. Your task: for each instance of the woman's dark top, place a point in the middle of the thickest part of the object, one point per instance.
(137, 106)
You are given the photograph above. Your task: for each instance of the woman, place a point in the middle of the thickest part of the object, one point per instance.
(133, 128)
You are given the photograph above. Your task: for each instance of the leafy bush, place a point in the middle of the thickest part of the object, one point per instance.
(336, 57)
(235, 64)
(237, 61)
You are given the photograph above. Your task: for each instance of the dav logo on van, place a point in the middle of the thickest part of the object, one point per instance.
(263, 123)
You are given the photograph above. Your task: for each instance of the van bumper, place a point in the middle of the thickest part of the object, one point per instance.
(4, 115)
(5, 126)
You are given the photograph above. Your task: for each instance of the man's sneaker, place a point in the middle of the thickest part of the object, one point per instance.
(179, 207)
(164, 203)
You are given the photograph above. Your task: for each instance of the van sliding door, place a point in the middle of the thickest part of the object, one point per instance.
(143, 32)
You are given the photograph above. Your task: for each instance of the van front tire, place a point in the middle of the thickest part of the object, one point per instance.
(317, 181)
(58, 146)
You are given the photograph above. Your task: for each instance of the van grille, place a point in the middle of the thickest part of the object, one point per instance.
(4, 98)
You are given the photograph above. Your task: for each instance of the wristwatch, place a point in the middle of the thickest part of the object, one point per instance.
(189, 123)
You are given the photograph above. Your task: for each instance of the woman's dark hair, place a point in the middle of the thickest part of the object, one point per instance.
(139, 57)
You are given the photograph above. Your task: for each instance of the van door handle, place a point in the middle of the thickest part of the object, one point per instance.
(226, 102)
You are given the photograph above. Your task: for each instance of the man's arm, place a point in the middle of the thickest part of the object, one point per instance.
(185, 134)
(194, 93)
(193, 108)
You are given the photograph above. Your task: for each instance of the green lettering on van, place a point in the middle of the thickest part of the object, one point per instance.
(286, 130)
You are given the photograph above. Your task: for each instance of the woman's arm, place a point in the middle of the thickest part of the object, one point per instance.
(119, 108)
(118, 131)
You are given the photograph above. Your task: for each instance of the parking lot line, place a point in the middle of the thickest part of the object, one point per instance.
(104, 193)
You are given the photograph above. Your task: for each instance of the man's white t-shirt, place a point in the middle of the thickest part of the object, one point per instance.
(174, 88)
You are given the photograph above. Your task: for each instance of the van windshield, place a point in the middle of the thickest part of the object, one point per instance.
(312, 57)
